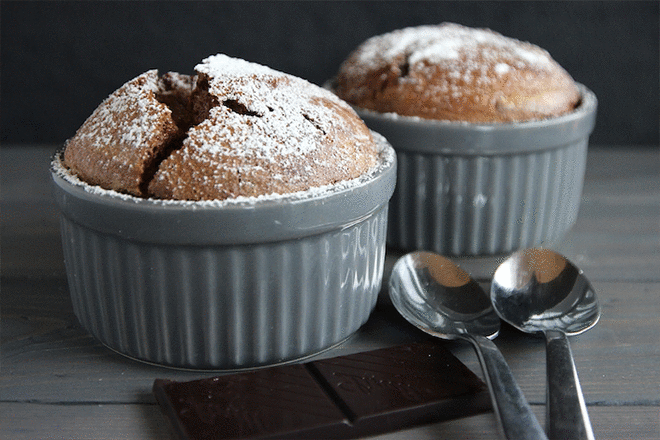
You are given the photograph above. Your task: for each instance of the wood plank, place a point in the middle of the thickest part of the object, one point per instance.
(617, 234)
(609, 162)
(56, 381)
(55, 360)
(31, 245)
(146, 422)
(615, 237)
(81, 422)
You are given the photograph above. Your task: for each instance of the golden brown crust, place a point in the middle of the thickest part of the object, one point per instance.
(451, 72)
(264, 132)
(117, 145)
(235, 129)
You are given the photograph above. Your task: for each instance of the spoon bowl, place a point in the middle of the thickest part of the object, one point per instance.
(441, 299)
(539, 291)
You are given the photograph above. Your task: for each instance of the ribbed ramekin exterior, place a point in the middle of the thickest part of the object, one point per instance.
(485, 205)
(225, 307)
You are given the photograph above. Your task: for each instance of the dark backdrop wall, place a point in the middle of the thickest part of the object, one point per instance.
(60, 59)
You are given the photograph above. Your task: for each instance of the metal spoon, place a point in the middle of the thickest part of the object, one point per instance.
(540, 291)
(441, 299)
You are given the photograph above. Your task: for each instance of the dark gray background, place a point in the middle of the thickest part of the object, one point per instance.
(60, 59)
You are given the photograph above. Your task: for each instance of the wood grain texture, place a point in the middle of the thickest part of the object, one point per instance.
(56, 381)
(131, 422)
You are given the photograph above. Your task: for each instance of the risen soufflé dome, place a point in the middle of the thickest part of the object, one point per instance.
(452, 72)
(232, 129)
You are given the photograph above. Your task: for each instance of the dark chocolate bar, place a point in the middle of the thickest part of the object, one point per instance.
(344, 397)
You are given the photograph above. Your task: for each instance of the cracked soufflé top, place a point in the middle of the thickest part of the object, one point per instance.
(456, 73)
(232, 129)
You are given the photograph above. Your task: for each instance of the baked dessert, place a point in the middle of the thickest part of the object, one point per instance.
(452, 72)
(233, 129)
(121, 141)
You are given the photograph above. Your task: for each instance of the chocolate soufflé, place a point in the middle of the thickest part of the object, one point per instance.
(233, 129)
(230, 219)
(491, 136)
(455, 73)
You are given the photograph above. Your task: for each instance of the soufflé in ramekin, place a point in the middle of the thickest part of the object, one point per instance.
(230, 219)
(491, 136)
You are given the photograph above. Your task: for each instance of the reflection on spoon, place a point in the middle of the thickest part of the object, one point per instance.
(441, 299)
(540, 291)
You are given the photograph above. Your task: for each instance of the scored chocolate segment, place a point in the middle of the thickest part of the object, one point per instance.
(277, 400)
(343, 397)
(425, 380)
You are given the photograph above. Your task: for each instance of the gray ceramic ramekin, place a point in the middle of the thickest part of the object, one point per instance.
(485, 189)
(225, 285)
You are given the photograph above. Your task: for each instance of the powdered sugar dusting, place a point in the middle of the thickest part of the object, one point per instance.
(126, 117)
(286, 119)
(386, 160)
(502, 68)
(269, 129)
(445, 42)
(453, 72)
(242, 129)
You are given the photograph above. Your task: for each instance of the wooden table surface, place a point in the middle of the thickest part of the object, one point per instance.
(57, 382)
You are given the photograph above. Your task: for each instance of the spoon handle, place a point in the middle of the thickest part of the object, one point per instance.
(567, 413)
(517, 421)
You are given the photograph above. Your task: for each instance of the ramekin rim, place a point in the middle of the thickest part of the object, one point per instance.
(236, 223)
(588, 103)
(449, 138)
